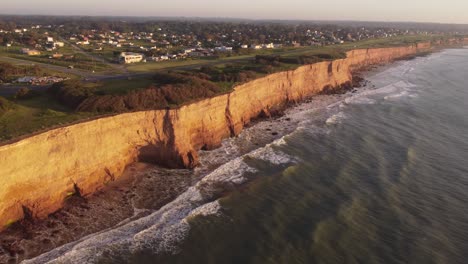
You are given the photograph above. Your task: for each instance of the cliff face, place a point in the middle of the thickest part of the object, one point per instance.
(39, 172)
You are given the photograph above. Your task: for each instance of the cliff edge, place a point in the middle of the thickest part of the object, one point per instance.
(38, 173)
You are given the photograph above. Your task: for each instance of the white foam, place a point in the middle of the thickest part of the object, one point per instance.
(274, 157)
(335, 119)
(362, 100)
(396, 96)
(212, 208)
(231, 172)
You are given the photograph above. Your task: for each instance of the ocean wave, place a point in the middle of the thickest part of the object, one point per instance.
(164, 230)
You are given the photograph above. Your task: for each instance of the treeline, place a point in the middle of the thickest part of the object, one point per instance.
(9, 71)
(276, 60)
(169, 90)
(176, 88)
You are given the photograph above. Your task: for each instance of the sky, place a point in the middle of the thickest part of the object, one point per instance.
(442, 11)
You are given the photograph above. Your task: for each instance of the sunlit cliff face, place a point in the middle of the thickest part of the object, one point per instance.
(39, 172)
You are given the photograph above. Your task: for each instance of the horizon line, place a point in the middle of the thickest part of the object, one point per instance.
(240, 18)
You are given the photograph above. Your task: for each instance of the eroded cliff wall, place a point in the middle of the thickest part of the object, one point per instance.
(38, 173)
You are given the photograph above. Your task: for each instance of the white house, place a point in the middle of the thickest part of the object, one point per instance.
(255, 47)
(224, 49)
(59, 44)
(130, 57)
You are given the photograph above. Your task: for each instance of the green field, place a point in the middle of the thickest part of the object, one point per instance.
(28, 116)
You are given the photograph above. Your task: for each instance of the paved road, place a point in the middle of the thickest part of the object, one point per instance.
(118, 67)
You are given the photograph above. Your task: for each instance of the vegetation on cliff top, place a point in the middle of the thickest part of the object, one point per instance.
(73, 100)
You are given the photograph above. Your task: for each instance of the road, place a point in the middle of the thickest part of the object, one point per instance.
(118, 67)
(77, 72)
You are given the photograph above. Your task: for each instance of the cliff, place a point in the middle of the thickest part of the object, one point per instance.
(39, 172)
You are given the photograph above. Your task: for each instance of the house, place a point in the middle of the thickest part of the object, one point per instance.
(30, 52)
(223, 49)
(34, 53)
(59, 44)
(199, 53)
(130, 57)
(255, 47)
(245, 46)
(57, 55)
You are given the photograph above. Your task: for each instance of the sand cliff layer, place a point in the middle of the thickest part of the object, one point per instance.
(38, 173)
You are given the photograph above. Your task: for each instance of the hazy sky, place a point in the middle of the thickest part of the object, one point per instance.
(447, 11)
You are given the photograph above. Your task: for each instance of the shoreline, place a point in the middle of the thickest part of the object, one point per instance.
(122, 179)
(97, 203)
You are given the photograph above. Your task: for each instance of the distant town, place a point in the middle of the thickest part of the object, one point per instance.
(138, 42)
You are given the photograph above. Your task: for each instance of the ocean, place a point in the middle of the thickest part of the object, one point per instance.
(377, 175)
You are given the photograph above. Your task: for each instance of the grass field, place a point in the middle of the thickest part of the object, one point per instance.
(27, 116)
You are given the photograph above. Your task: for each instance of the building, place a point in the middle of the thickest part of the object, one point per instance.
(223, 49)
(57, 56)
(130, 57)
(199, 53)
(255, 47)
(30, 52)
(59, 44)
(34, 53)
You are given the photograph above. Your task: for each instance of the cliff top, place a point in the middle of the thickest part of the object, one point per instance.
(64, 103)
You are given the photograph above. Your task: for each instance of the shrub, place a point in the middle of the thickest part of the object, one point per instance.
(273, 60)
(25, 93)
(173, 89)
(71, 93)
(5, 105)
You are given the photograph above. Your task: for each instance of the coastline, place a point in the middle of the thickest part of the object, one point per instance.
(121, 180)
(99, 204)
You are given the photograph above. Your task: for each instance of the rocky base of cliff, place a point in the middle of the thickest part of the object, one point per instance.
(141, 186)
